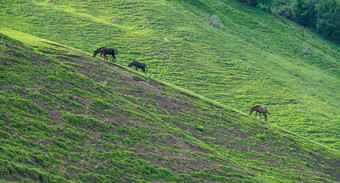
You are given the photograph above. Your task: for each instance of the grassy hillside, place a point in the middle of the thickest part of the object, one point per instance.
(66, 117)
(236, 55)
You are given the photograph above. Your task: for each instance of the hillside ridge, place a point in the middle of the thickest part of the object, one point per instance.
(68, 117)
(222, 50)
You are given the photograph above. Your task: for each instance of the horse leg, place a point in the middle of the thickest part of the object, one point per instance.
(110, 58)
(265, 116)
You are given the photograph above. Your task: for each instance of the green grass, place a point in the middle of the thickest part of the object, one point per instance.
(236, 55)
(67, 117)
(62, 123)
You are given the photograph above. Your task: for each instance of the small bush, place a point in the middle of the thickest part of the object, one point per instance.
(200, 128)
(261, 137)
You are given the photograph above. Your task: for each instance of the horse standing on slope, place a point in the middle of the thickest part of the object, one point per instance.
(106, 51)
(261, 110)
(138, 65)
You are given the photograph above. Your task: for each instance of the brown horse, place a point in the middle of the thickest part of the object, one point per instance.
(106, 51)
(101, 55)
(259, 109)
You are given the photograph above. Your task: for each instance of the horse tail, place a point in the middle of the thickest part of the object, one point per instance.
(116, 51)
(267, 111)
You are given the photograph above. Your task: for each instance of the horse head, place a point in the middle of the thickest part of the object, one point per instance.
(95, 53)
(131, 64)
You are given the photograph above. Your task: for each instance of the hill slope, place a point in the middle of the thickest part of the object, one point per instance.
(236, 55)
(68, 117)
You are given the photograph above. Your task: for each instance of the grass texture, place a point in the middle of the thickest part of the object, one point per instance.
(67, 117)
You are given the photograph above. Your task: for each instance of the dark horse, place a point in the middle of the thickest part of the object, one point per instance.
(138, 64)
(106, 51)
(259, 109)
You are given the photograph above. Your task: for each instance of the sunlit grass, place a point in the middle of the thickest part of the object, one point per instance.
(218, 57)
(224, 51)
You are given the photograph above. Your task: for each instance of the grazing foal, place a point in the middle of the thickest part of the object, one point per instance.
(259, 109)
(138, 65)
(106, 51)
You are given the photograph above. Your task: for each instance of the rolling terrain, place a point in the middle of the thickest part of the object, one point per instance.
(233, 54)
(68, 117)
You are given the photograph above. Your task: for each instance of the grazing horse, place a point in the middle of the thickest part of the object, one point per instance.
(259, 109)
(106, 51)
(138, 64)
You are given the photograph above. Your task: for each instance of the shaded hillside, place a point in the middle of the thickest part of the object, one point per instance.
(68, 117)
(236, 55)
